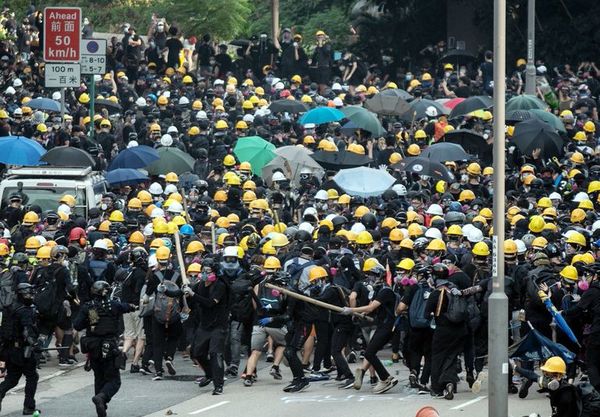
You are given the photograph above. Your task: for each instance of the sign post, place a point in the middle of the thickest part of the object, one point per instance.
(62, 34)
(93, 56)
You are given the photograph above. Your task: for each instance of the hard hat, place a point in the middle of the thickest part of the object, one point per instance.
(372, 264)
(390, 223)
(555, 365)
(577, 158)
(589, 126)
(436, 245)
(413, 150)
(407, 244)
(580, 137)
(172, 178)
(510, 247)
(407, 264)
(30, 218)
(474, 168)
(317, 272)
(364, 238)
(163, 253)
(536, 224)
(578, 215)
(268, 249)
(194, 247)
(569, 273)
(394, 158)
(279, 240)
(396, 235)
(481, 249)
(194, 268)
(435, 210)
(576, 238)
(137, 237)
(272, 263)
(157, 243)
(466, 196)
(539, 242)
(229, 160)
(32, 243)
(414, 230)
(221, 125)
(454, 230)
(586, 205)
(361, 211)
(420, 134)
(116, 216)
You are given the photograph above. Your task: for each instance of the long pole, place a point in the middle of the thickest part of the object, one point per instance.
(62, 104)
(530, 69)
(498, 301)
(92, 104)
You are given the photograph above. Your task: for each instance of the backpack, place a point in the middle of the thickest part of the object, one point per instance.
(457, 308)
(590, 400)
(97, 269)
(416, 310)
(241, 299)
(121, 280)
(473, 313)
(7, 328)
(166, 309)
(267, 301)
(7, 289)
(295, 270)
(46, 297)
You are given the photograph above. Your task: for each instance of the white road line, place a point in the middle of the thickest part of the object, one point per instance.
(468, 403)
(210, 407)
(47, 377)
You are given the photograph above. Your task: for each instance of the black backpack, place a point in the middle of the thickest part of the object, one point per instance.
(457, 311)
(416, 310)
(7, 289)
(590, 400)
(46, 297)
(241, 299)
(295, 271)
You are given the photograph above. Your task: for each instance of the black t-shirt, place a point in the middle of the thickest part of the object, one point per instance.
(214, 315)
(132, 286)
(362, 294)
(386, 311)
(174, 46)
(463, 91)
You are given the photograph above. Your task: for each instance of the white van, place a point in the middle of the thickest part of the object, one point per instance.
(44, 186)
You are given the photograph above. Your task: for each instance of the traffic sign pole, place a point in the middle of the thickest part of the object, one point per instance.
(92, 103)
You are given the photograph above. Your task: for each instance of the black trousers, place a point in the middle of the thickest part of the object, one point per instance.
(295, 339)
(419, 346)
(341, 336)
(323, 349)
(448, 342)
(592, 359)
(148, 346)
(14, 372)
(381, 336)
(107, 377)
(208, 349)
(164, 341)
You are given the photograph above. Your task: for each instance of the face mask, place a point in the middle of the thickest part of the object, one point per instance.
(583, 285)
(28, 302)
(103, 207)
(228, 266)
(408, 281)
(447, 74)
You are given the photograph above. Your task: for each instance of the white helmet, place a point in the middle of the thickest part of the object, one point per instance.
(306, 171)
(230, 251)
(357, 228)
(56, 95)
(433, 233)
(167, 94)
(310, 211)
(431, 111)
(140, 102)
(10, 90)
(248, 118)
(555, 196)
(152, 261)
(474, 235)
(337, 102)
(6, 234)
(580, 196)
(321, 195)
(132, 144)
(172, 129)
(148, 230)
(336, 87)
(400, 189)
(100, 244)
(18, 112)
(170, 189)
(201, 115)
(279, 86)
(17, 82)
(166, 140)
(157, 212)
(175, 207)
(63, 208)
(307, 227)
(41, 239)
(435, 210)
(278, 176)
(184, 101)
(521, 248)
(155, 188)
(595, 226)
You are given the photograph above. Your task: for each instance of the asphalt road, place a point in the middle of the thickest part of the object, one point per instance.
(68, 394)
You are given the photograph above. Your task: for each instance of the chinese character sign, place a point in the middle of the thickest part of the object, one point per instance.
(62, 34)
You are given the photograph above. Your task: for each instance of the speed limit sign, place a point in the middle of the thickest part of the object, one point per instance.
(62, 34)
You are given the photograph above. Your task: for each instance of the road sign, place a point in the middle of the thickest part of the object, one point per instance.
(93, 56)
(62, 34)
(62, 75)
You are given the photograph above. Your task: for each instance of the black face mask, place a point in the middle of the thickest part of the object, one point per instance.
(28, 302)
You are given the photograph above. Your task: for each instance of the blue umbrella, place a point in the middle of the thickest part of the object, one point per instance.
(537, 347)
(558, 318)
(134, 157)
(19, 150)
(124, 176)
(45, 104)
(322, 115)
(363, 181)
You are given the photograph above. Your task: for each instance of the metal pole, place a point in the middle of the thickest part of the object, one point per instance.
(62, 104)
(92, 104)
(530, 69)
(498, 301)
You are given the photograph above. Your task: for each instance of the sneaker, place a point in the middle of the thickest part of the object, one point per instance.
(232, 371)
(385, 386)
(328, 370)
(100, 404)
(477, 384)
(144, 370)
(30, 411)
(157, 376)
(306, 368)
(436, 394)
(349, 383)
(297, 386)
(470, 379)
(204, 381)
(275, 373)
(512, 389)
(64, 362)
(248, 382)
(150, 363)
(315, 375)
(170, 368)
(270, 357)
(423, 389)
(218, 391)
(396, 357)
(352, 357)
(358, 378)
(340, 378)
(449, 391)
(135, 369)
(374, 380)
(524, 389)
(412, 380)
(584, 378)
(73, 359)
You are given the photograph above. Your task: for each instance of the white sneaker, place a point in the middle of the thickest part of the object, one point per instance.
(385, 386)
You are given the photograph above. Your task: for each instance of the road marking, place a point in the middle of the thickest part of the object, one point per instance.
(210, 407)
(48, 377)
(468, 403)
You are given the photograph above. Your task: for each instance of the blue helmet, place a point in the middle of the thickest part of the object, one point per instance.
(186, 230)
(455, 206)
(168, 243)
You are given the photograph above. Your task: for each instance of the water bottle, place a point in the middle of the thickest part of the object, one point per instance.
(36, 413)
(388, 362)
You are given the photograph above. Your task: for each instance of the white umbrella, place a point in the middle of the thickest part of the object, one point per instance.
(363, 181)
(291, 160)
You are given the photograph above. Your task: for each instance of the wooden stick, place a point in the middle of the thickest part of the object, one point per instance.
(185, 207)
(184, 277)
(318, 303)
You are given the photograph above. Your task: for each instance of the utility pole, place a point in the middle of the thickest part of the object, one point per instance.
(530, 86)
(498, 301)
(275, 18)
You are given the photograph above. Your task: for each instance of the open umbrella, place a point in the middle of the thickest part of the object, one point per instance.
(68, 156)
(340, 160)
(457, 56)
(255, 150)
(45, 104)
(451, 103)
(321, 115)
(537, 347)
(289, 106)
(549, 118)
(388, 105)
(171, 160)
(112, 107)
(424, 166)
(445, 151)
(472, 142)
(291, 168)
(534, 134)
(134, 157)
(19, 150)
(397, 92)
(364, 119)
(422, 108)
(525, 102)
(471, 104)
(560, 321)
(516, 116)
(363, 181)
(125, 176)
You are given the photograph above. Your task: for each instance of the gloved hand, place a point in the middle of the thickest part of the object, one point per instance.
(265, 321)
(188, 291)
(576, 297)
(145, 299)
(161, 288)
(67, 307)
(346, 311)
(456, 291)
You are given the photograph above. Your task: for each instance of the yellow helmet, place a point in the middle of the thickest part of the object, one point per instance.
(466, 196)
(539, 242)
(407, 244)
(569, 273)
(414, 230)
(84, 98)
(116, 216)
(249, 196)
(245, 167)
(221, 125)
(279, 240)
(220, 196)
(172, 178)
(510, 247)
(414, 150)
(229, 160)
(486, 213)
(32, 243)
(555, 365)
(474, 168)
(390, 223)
(436, 245)
(536, 224)
(272, 263)
(194, 247)
(249, 185)
(43, 252)
(316, 272)
(157, 243)
(67, 199)
(577, 158)
(420, 134)
(268, 248)
(163, 254)
(371, 264)
(454, 230)
(361, 211)
(576, 238)
(394, 158)
(481, 249)
(589, 126)
(137, 237)
(593, 186)
(488, 171)
(364, 238)
(586, 205)
(406, 264)
(31, 217)
(580, 137)
(344, 199)
(578, 215)
(194, 268)
(396, 235)
(162, 101)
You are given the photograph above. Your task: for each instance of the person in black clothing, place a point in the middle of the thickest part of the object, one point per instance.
(13, 213)
(384, 304)
(223, 61)
(100, 317)
(322, 60)
(204, 50)
(19, 343)
(211, 296)
(174, 47)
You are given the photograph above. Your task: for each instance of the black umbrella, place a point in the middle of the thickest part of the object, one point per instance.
(112, 107)
(67, 156)
(240, 42)
(459, 56)
(534, 134)
(516, 116)
(424, 166)
(340, 160)
(445, 151)
(289, 106)
(389, 105)
(472, 142)
(471, 104)
(422, 108)
(398, 92)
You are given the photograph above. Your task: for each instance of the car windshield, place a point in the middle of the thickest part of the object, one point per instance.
(47, 197)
